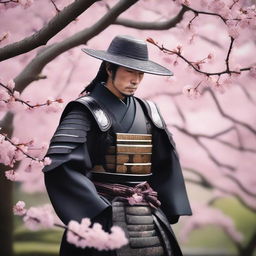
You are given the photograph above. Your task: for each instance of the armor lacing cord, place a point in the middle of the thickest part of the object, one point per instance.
(141, 193)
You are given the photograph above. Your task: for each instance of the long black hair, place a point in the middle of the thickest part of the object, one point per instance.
(102, 75)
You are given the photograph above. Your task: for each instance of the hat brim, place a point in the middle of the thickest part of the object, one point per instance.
(147, 66)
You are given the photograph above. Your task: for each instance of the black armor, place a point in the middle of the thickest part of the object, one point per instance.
(79, 151)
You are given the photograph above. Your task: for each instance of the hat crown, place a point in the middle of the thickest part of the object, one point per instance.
(130, 47)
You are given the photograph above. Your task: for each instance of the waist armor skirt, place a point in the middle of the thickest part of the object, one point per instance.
(146, 229)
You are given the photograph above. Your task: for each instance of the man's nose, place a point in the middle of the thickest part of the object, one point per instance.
(135, 79)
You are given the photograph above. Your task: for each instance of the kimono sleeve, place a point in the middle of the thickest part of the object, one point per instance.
(70, 190)
(167, 177)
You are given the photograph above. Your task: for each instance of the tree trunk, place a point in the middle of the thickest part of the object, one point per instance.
(6, 215)
(250, 248)
(6, 201)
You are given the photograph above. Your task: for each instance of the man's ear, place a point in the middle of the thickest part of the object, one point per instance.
(108, 69)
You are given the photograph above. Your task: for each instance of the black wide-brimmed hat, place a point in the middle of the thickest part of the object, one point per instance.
(129, 52)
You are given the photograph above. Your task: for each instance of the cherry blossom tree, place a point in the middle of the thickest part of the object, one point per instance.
(208, 105)
(82, 234)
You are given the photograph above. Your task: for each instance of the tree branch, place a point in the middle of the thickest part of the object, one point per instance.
(215, 137)
(55, 6)
(8, 1)
(18, 148)
(14, 98)
(196, 64)
(161, 25)
(206, 183)
(245, 125)
(158, 94)
(210, 155)
(69, 78)
(34, 68)
(211, 41)
(203, 181)
(250, 247)
(55, 25)
(181, 114)
(196, 12)
(228, 54)
(241, 186)
(240, 147)
(247, 94)
(167, 24)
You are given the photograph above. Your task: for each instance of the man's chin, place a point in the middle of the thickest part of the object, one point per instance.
(128, 94)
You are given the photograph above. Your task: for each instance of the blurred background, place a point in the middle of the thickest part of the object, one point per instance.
(209, 106)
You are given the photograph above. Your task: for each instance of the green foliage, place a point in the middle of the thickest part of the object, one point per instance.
(39, 243)
(215, 237)
(244, 218)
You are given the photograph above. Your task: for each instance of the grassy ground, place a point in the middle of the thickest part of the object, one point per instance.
(46, 242)
(211, 237)
(34, 243)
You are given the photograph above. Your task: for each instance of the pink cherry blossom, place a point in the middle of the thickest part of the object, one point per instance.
(233, 31)
(219, 87)
(4, 36)
(185, 2)
(39, 217)
(72, 234)
(216, 5)
(15, 140)
(191, 92)
(203, 215)
(19, 153)
(2, 105)
(4, 96)
(16, 95)
(228, 81)
(186, 89)
(225, 12)
(85, 224)
(47, 161)
(117, 238)
(10, 84)
(204, 3)
(7, 153)
(98, 238)
(26, 3)
(54, 107)
(82, 235)
(135, 199)
(2, 138)
(252, 72)
(37, 163)
(11, 175)
(244, 22)
(19, 208)
(210, 56)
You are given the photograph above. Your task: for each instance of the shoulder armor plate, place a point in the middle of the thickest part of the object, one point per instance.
(101, 117)
(153, 113)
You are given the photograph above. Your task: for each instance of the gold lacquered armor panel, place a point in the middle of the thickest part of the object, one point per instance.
(131, 154)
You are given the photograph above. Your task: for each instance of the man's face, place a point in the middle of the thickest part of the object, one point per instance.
(125, 82)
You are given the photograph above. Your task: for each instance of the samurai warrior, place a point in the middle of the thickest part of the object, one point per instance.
(111, 148)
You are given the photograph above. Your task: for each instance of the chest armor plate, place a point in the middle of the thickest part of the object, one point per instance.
(130, 154)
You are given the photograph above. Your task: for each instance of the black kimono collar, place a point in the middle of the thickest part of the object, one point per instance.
(122, 111)
(106, 97)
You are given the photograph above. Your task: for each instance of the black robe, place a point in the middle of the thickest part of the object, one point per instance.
(67, 179)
